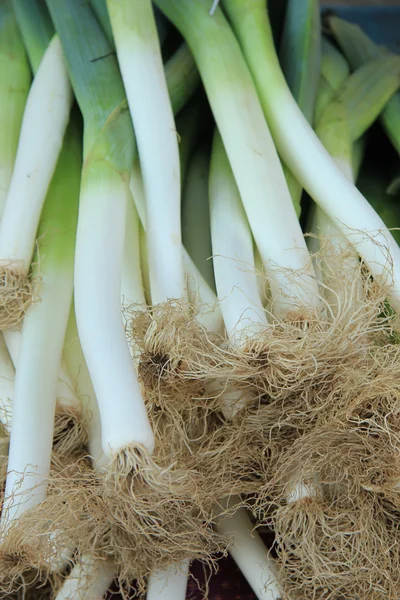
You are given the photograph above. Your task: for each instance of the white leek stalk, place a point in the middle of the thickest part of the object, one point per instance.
(14, 88)
(251, 555)
(45, 119)
(353, 109)
(251, 152)
(170, 584)
(108, 153)
(7, 377)
(42, 340)
(304, 154)
(139, 57)
(77, 367)
(200, 293)
(132, 285)
(88, 580)
(233, 254)
(66, 396)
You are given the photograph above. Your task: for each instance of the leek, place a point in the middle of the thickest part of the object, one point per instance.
(196, 215)
(88, 579)
(14, 88)
(356, 106)
(100, 10)
(251, 153)
(7, 377)
(251, 555)
(300, 55)
(68, 403)
(233, 255)
(36, 28)
(77, 367)
(334, 72)
(42, 339)
(44, 122)
(305, 155)
(170, 584)
(359, 49)
(108, 156)
(132, 291)
(139, 57)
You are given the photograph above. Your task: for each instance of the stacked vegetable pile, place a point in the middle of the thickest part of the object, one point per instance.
(198, 306)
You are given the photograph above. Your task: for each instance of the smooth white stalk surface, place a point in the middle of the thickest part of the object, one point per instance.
(7, 379)
(306, 157)
(77, 367)
(88, 580)
(35, 395)
(98, 266)
(170, 584)
(42, 132)
(139, 57)
(233, 255)
(200, 293)
(251, 555)
(132, 291)
(66, 395)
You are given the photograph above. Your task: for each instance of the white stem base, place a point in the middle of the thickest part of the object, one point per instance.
(35, 394)
(88, 580)
(42, 133)
(251, 555)
(98, 267)
(66, 395)
(7, 377)
(170, 584)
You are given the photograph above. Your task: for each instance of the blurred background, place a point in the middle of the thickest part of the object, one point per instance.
(363, 2)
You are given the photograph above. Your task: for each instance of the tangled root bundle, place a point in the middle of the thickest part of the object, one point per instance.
(171, 344)
(70, 431)
(145, 512)
(336, 547)
(16, 294)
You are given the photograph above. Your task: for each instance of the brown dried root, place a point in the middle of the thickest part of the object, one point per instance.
(70, 431)
(16, 294)
(148, 512)
(171, 344)
(336, 547)
(16, 571)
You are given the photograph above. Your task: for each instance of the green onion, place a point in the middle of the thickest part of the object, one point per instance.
(304, 154)
(108, 157)
(251, 152)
